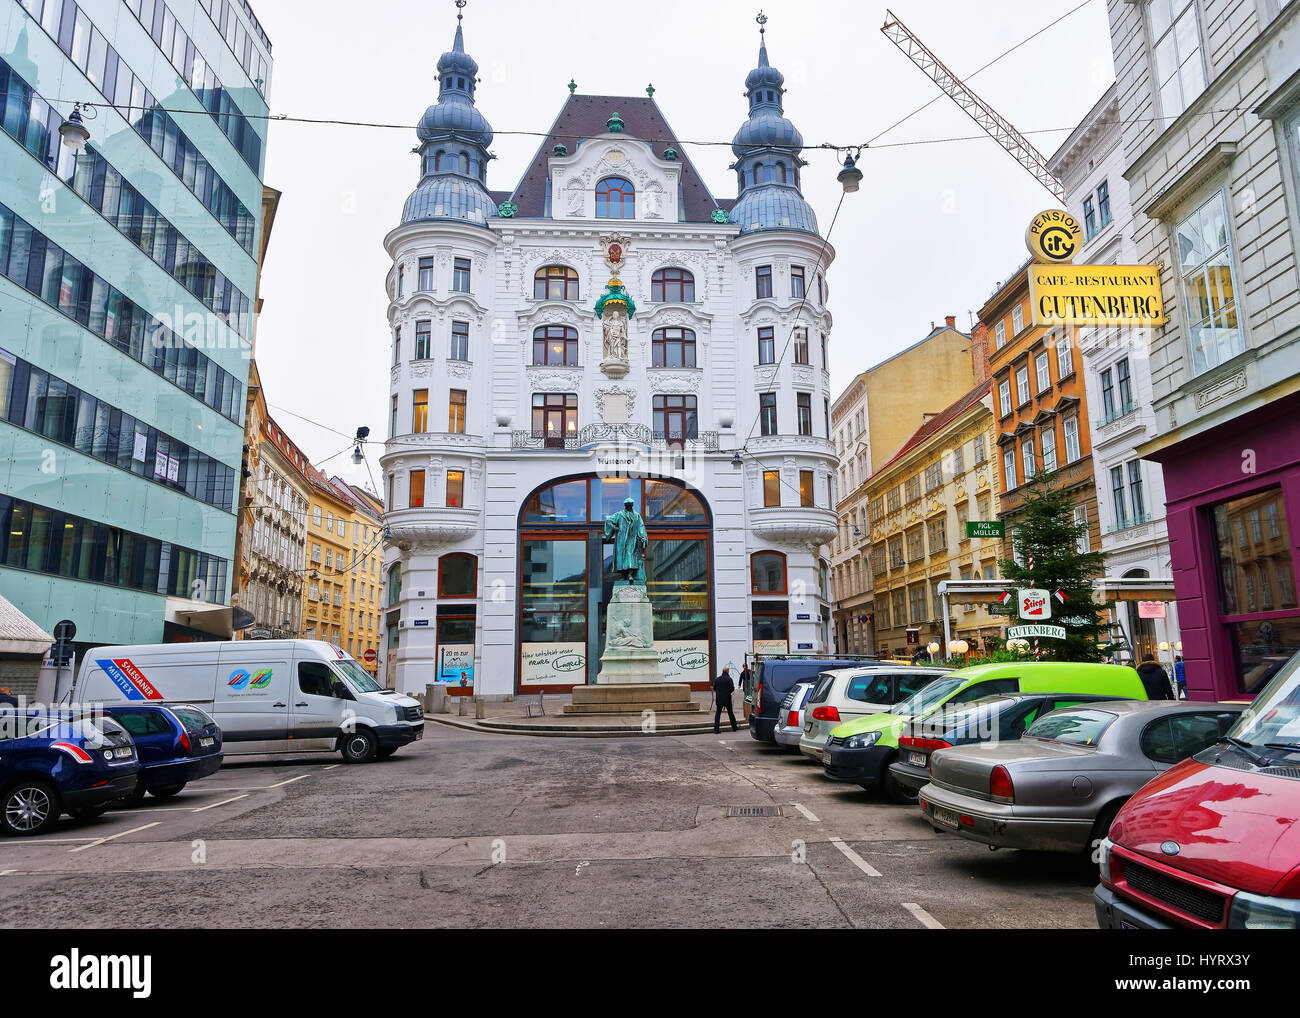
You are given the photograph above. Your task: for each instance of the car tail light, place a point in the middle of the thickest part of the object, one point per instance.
(1000, 786)
(73, 750)
(930, 745)
(185, 741)
(826, 714)
(758, 698)
(792, 720)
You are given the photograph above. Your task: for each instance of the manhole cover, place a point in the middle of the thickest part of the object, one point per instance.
(753, 811)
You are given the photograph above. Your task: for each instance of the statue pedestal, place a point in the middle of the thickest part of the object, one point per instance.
(630, 655)
(615, 367)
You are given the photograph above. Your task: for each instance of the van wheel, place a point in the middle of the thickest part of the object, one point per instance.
(359, 747)
(167, 791)
(895, 792)
(29, 808)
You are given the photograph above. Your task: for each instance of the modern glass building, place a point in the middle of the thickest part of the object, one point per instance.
(128, 275)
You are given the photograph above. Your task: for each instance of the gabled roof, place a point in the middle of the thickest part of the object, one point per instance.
(940, 421)
(584, 116)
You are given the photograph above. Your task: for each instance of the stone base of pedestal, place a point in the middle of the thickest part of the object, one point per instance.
(660, 697)
(629, 656)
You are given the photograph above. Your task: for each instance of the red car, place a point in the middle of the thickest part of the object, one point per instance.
(1214, 842)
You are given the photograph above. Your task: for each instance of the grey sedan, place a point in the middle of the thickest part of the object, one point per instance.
(1059, 786)
(789, 721)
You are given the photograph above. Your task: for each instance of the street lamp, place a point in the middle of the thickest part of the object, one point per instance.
(850, 177)
(73, 131)
(932, 648)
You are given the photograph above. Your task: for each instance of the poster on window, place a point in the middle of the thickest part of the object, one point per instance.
(456, 664)
(141, 447)
(684, 660)
(552, 664)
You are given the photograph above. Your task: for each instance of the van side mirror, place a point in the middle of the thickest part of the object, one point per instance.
(340, 691)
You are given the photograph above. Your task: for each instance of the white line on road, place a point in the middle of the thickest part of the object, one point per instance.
(22, 842)
(331, 767)
(221, 803)
(114, 837)
(922, 916)
(5, 873)
(806, 812)
(289, 781)
(856, 859)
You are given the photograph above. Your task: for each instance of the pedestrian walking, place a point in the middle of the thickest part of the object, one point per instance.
(723, 687)
(746, 677)
(1154, 680)
(1180, 677)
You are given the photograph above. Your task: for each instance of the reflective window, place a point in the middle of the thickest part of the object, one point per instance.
(615, 199)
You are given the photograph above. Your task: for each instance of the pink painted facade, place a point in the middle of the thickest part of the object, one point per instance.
(1256, 455)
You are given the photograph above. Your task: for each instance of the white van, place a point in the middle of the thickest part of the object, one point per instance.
(268, 696)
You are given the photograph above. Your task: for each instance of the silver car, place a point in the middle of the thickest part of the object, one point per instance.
(1058, 787)
(789, 722)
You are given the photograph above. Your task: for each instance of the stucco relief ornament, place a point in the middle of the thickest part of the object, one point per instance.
(615, 308)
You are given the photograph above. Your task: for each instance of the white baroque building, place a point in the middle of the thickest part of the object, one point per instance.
(1116, 365)
(519, 420)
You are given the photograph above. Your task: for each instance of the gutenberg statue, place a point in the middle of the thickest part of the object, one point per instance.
(626, 531)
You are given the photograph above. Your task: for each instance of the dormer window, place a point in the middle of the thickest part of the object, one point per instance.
(615, 199)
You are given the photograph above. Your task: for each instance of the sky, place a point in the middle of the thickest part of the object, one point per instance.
(938, 223)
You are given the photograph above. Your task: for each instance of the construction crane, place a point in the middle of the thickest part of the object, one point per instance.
(990, 121)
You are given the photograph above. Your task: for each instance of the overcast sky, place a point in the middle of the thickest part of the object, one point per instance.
(932, 231)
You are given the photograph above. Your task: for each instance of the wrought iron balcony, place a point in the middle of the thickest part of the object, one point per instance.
(634, 434)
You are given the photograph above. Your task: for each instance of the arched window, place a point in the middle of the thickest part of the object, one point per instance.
(437, 160)
(673, 285)
(758, 173)
(457, 575)
(780, 172)
(555, 346)
(464, 163)
(555, 282)
(395, 584)
(672, 348)
(615, 199)
(767, 572)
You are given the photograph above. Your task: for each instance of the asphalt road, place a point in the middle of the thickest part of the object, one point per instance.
(466, 829)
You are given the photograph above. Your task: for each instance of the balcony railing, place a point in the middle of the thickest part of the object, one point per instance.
(1128, 524)
(1123, 411)
(636, 434)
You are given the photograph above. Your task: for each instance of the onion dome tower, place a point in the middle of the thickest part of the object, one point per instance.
(767, 148)
(454, 139)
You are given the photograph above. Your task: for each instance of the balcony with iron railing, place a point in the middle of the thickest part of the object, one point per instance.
(1128, 523)
(1115, 415)
(632, 434)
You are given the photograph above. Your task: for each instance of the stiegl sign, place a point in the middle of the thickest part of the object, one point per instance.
(1034, 603)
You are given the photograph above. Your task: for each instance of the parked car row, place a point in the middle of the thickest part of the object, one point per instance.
(84, 764)
(1191, 809)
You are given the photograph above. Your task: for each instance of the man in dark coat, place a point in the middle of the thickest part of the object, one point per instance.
(1154, 681)
(723, 687)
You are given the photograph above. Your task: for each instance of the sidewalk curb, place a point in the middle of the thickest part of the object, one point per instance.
(488, 727)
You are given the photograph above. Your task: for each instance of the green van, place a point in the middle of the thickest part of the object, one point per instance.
(860, 751)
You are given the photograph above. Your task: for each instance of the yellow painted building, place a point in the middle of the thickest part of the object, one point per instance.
(918, 505)
(343, 590)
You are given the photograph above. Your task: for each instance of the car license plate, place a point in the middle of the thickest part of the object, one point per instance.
(916, 759)
(207, 741)
(947, 817)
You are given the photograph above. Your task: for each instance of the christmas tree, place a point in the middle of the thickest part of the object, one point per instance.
(1046, 547)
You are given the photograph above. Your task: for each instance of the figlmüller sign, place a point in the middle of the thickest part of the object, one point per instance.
(985, 528)
(1036, 632)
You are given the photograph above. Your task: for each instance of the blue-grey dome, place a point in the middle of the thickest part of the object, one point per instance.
(764, 75)
(456, 60)
(454, 115)
(773, 207)
(767, 128)
(449, 197)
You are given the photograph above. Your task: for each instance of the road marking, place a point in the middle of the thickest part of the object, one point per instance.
(114, 837)
(331, 767)
(922, 916)
(289, 781)
(856, 859)
(18, 843)
(5, 873)
(806, 812)
(221, 803)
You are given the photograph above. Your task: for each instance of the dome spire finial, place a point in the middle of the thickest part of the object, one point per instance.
(762, 39)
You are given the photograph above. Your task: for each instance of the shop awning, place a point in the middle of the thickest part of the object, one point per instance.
(214, 619)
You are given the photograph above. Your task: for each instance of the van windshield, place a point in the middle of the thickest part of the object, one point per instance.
(1273, 720)
(930, 697)
(358, 678)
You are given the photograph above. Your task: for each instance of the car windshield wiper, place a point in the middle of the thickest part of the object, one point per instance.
(1247, 749)
(1294, 746)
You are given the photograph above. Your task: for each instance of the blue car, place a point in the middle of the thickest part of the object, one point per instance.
(52, 764)
(176, 743)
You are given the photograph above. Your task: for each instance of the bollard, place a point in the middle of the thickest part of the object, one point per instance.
(437, 698)
(464, 704)
(480, 709)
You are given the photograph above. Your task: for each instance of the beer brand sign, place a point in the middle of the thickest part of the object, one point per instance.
(1035, 604)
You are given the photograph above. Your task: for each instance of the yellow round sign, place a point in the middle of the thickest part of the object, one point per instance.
(1054, 236)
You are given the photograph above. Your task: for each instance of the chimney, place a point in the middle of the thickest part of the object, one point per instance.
(951, 321)
(979, 351)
